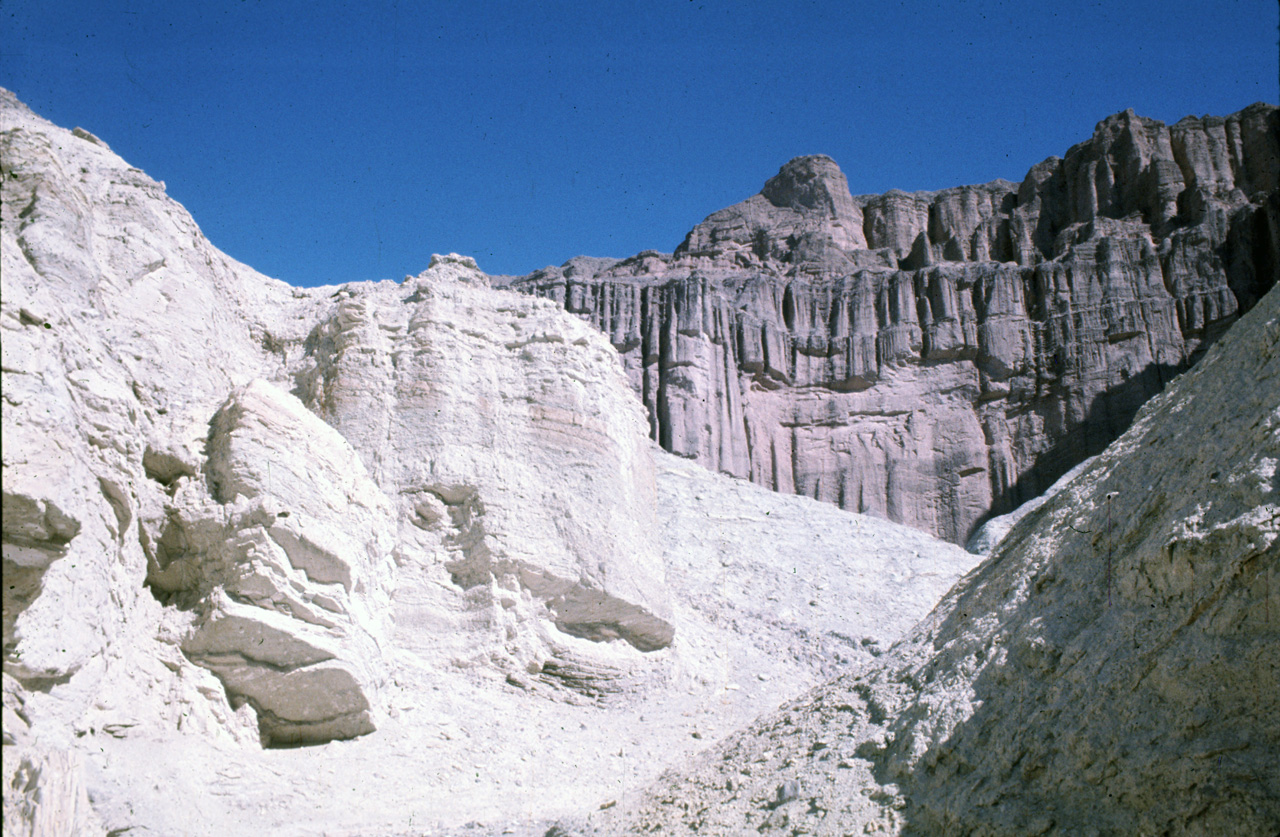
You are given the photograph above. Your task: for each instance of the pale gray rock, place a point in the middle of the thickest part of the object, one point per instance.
(123, 331)
(479, 595)
(797, 579)
(512, 426)
(1110, 669)
(292, 565)
(415, 526)
(943, 357)
(807, 201)
(130, 476)
(988, 537)
(45, 796)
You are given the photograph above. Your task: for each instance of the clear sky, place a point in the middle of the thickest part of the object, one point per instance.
(334, 141)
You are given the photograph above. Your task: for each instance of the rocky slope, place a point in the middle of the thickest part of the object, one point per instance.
(1111, 669)
(414, 527)
(936, 358)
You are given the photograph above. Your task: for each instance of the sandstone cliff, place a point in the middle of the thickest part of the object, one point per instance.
(940, 357)
(1111, 669)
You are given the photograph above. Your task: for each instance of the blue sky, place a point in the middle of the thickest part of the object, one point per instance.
(333, 141)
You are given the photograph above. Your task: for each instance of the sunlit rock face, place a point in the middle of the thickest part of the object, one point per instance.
(940, 357)
(507, 425)
(281, 465)
(1110, 669)
(261, 539)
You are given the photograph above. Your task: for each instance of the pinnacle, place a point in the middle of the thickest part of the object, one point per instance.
(813, 182)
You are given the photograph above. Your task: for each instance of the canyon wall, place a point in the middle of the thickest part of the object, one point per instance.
(937, 358)
(1110, 669)
(330, 559)
(483, 489)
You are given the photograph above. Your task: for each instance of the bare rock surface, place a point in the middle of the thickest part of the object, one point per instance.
(505, 429)
(292, 562)
(938, 358)
(1111, 669)
(987, 538)
(417, 528)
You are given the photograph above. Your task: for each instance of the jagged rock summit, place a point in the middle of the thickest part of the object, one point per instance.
(809, 197)
(812, 183)
(938, 358)
(374, 558)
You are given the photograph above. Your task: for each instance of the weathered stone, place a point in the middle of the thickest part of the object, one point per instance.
(1110, 669)
(154, 454)
(477, 572)
(941, 357)
(291, 581)
(45, 795)
(516, 418)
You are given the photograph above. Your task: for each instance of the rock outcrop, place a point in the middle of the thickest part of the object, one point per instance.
(1111, 669)
(502, 423)
(937, 358)
(414, 526)
(164, 446)
(292, 561)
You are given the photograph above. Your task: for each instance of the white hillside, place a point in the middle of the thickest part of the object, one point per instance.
(381, 558)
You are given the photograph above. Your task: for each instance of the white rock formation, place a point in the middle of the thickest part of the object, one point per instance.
(507, 429)
(988, 537)
(417, 526)
(293, 563)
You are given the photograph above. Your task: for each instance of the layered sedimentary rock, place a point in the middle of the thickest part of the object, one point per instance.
(939, 357)
(418, 518)
(1111, 669)
(291, 560)
(503, 422)
(484, 463)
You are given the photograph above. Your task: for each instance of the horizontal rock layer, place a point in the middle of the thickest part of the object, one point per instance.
(504, 425)
(939, 357)
(421, 517)
(484, 469)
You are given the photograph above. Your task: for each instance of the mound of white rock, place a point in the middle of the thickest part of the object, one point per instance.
(417, 527)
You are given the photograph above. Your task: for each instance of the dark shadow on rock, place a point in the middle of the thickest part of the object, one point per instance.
(1110, 415)
(1251, 251)
(1059, 744)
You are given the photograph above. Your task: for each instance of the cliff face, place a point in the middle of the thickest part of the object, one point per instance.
(1110, 669)
(166, 445)
(938, 357)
